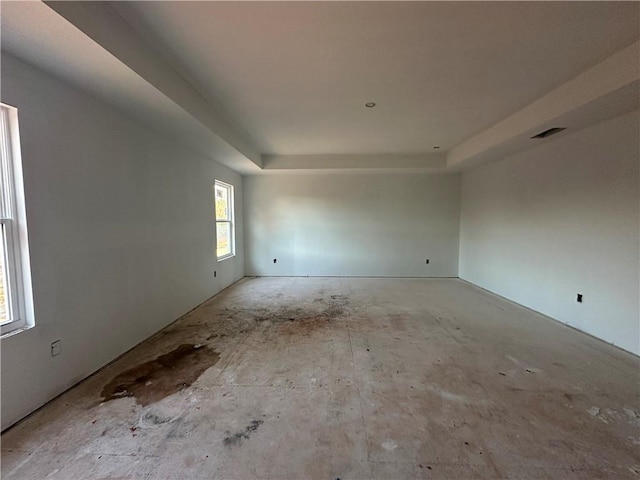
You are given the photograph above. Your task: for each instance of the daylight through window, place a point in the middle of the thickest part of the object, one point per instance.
(225, 247)
(15, 293)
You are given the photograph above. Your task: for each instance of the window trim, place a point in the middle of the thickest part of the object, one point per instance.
(20, 295)
(231, 221)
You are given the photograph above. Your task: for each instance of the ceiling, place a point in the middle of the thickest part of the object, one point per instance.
(284, 83)
(297, 75)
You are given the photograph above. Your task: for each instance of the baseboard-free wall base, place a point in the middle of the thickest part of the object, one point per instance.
(339, 276)
(117, 358)
(564, 324)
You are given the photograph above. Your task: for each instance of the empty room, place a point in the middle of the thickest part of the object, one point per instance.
(320, 240)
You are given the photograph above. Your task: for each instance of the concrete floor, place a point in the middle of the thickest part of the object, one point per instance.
(346, 378)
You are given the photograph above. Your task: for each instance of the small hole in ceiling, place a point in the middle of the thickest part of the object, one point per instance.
(435, 148)
(369, 104)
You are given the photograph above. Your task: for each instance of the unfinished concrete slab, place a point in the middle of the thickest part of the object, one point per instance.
(346, 378)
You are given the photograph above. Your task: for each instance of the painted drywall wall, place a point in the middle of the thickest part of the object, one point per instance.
(561, 219)
(352, 224)
(121, 235)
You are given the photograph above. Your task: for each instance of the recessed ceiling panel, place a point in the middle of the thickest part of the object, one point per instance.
(297, 75)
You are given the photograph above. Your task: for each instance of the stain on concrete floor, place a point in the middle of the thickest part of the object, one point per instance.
(168, 373)
(274, 311)
(235, 439)
(304, 320)
(176, 370)
(353, 378)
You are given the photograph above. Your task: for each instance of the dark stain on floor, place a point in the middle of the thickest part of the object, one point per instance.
(156, 379)
(174, 371)
(303, 320)
(280, 315)
(236, 438)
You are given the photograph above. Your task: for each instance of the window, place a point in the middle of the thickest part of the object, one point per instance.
(225, 238)
(16, 305)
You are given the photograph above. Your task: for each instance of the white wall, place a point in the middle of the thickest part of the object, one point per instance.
(558, 220)
(121, 231)
(352, 224)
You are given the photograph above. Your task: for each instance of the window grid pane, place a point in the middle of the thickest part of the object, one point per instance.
(6, 208)
(16, 309)
(5, 317)
(222, 203)
(223, 239)
(223, 196)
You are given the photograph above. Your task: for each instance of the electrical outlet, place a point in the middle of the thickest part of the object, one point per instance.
(214, 274)
(55, 348)
(579, 298)
(427, 261)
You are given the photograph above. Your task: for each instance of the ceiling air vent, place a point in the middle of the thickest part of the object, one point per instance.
(549, 132)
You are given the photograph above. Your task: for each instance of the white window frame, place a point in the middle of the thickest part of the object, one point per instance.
(14, 226)
(232, 229)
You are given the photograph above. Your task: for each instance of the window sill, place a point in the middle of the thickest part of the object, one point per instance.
(16, 331)
(220, 259)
